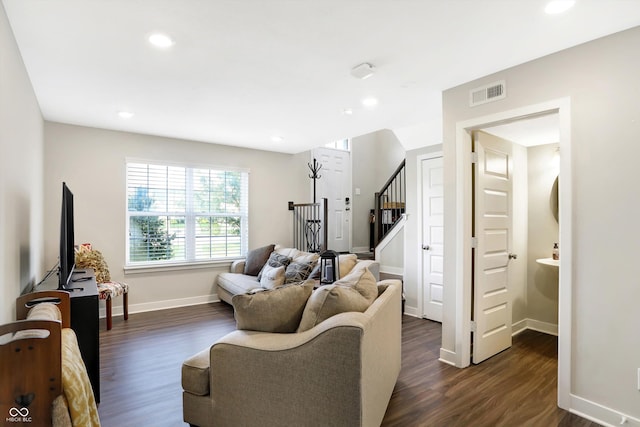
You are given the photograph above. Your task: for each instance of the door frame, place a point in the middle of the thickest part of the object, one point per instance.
(420, 158)
(462, 249)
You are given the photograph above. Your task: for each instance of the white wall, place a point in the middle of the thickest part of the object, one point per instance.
(542, 281)
(92, 162)
(21, 151)
(600, 79)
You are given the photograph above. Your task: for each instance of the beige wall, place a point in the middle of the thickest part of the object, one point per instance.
(21, 153)
(600, 79)
(92, 162)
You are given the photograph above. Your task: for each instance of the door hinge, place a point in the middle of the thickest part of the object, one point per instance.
(473, 326)
(474, 157)
(474, 242)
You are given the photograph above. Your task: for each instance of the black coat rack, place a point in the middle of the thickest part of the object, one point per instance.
(315, 168)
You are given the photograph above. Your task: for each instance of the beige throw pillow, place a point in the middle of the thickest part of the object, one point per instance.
(327, 301)
(354, 292)
(347, 262)
(276, 310)
(363, 281)
(272, 277)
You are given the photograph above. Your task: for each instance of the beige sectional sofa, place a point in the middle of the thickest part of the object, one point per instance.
(235, 282)
(340, 372)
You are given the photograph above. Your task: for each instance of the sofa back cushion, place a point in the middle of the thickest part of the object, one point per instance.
(276, 310)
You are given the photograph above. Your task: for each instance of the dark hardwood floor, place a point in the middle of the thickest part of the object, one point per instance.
(141, 360)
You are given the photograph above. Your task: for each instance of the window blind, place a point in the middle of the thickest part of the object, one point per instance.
(185, 214)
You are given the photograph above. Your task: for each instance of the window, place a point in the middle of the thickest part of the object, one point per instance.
(342, 144)
(181, 214)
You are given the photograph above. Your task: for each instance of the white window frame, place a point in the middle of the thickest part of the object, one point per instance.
(189, 214)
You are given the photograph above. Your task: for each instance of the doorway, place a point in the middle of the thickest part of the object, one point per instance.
(515, 227)
(460, 265)
(432, 231)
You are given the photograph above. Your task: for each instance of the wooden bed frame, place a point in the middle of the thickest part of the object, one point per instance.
(31, 368)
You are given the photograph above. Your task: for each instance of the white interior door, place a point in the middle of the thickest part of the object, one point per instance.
(493, 236)
(335, 185)
(432, 238)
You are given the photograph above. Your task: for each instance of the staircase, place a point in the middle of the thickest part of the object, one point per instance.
(389, 205)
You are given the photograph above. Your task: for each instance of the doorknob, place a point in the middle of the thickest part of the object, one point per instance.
(513, 256)
(426, 247)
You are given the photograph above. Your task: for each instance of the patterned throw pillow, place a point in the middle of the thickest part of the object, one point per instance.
(298, 271)
(91, 258)
(275, 260)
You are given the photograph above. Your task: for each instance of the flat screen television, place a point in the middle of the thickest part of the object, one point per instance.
(67, 251)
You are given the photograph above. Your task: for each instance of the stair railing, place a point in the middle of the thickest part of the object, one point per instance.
(310, 225)
(390, 204)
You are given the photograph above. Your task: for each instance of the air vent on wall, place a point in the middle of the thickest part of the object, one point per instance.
(488, 93)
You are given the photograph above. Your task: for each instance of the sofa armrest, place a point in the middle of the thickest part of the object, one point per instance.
(237, 266)
(278, 375)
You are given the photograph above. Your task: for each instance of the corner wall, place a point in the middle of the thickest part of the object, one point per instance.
(21, 154)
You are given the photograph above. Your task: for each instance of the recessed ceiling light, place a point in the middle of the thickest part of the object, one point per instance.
(347, 112)
(558, 6)
(125, 114)
(161, 40)
(277, 138)
(370, 102)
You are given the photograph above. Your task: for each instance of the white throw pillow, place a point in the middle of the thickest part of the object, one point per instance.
(272, 277)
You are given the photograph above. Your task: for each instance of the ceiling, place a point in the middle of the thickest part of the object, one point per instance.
(242, 72)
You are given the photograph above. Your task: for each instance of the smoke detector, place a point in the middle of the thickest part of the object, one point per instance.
(362, 71)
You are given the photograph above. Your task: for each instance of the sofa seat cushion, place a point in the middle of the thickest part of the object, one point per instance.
(195, 373)
(237, 283)
(277, 310)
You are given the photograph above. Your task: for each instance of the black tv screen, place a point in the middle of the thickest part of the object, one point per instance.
(67, 251)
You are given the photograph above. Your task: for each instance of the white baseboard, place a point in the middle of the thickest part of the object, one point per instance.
(161, 305)
(448, 357)
(411, 311)
(398, 271)
(601, 414)
(536, 325)
(360, 250)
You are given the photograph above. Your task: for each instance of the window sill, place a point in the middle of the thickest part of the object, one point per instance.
(142, 269)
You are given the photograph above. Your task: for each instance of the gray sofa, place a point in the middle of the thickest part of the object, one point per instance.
(235, 282)
(341, 372)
